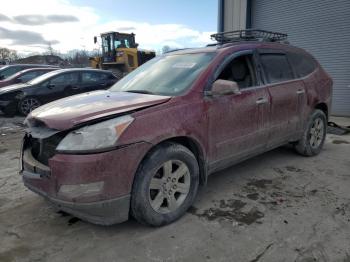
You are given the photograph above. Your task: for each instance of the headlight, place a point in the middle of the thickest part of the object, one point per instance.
(98, 136)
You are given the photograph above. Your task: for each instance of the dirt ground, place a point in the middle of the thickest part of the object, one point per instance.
(275, 207)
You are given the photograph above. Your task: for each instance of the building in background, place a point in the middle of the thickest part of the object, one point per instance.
(321, 27)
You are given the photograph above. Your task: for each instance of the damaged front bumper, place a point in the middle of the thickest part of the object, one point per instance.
(93, 187)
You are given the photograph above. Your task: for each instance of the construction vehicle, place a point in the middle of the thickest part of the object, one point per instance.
(120, 54)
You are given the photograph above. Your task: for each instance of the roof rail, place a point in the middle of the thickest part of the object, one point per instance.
(174, 50)
(248, 35)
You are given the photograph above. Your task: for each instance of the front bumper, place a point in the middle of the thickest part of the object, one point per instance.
(107, 212)
(4, 103)
(116, 169)
(7, 105)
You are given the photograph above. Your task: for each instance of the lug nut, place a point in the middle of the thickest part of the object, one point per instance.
(174, 186)
(168, 179)
(173, 180)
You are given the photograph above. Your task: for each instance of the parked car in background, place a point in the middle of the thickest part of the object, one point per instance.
(9, 70)
(25, 76)
(51, 86)
(144, 146)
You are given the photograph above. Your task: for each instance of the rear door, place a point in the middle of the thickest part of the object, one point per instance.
(238, 123)
(287, 96)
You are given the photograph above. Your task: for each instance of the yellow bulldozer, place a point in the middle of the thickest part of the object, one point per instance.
(120, 53)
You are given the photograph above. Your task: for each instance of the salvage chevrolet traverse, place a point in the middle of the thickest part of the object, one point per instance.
(143, 147)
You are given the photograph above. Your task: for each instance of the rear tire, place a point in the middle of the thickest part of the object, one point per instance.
(165, 185)
(314, 134)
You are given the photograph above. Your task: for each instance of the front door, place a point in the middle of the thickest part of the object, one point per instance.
(238, 123)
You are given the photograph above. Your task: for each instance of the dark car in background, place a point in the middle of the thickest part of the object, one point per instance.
(51, 86)
(25, 76)
(9, 70)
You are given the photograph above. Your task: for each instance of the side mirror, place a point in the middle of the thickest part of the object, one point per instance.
(95, 39)
(224, 87)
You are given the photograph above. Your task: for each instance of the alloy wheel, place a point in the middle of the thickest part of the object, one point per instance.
(169, 186)
(317, 132)
(28, 104)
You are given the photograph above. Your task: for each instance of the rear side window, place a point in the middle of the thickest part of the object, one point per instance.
(28, 76)
(303, 64)
(89, 77)
(276, 67)
(93, 77)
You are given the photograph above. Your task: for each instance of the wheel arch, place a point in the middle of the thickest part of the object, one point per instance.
(191, 144)
(323, 107)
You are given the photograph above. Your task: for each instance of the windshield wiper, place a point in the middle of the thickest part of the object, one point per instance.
(140, 92)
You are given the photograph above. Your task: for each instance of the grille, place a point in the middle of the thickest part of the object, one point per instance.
(43, 149)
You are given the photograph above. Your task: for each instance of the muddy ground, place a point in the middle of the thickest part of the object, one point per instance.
(275, 207)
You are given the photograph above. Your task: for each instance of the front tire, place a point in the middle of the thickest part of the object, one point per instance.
(314, 134)
(27, 105)
(165, 185)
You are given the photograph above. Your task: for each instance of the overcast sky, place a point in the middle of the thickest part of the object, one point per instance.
(28, 26)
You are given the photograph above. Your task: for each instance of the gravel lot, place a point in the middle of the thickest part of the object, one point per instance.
(275, 207)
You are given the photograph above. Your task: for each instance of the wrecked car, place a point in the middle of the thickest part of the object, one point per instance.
(143, 147)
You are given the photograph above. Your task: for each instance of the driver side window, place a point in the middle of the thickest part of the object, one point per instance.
(240, 70)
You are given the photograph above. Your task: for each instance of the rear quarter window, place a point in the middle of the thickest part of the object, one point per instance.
(303, 64)
(276, 67)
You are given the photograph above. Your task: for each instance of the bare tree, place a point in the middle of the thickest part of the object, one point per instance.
(8, 55)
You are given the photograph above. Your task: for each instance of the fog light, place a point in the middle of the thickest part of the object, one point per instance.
(81, 190)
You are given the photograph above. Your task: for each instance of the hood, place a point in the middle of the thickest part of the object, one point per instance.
(12, 88)
(71, 111)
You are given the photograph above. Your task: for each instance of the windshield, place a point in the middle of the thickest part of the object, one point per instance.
(165, 75)
(43, 77)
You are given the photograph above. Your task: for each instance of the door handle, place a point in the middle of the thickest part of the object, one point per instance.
(300, 91)
(261, 100)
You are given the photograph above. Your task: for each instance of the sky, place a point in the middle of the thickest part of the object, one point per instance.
(29, 26)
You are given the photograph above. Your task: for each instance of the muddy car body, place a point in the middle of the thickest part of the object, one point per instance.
(206, 127)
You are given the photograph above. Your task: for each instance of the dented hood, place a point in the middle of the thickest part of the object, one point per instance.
(71, 111)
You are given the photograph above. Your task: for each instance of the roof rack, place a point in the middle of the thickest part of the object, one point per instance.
(248, 35)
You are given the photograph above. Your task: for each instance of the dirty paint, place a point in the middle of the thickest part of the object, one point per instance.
(220, 130)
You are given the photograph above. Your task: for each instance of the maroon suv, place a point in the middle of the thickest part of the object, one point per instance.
(143, 147)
